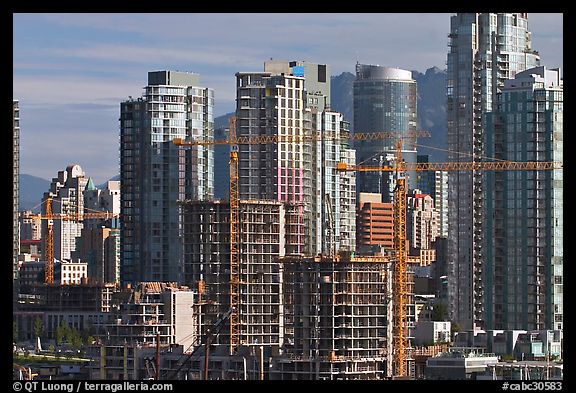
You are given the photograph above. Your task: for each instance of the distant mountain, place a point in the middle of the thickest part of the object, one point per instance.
(32, 189)
(341, 95)
(431, 106)
(432, 111)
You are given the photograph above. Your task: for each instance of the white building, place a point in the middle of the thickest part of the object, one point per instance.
(422, 220)
(67, 272)
(66, 192)
(431, 332)
(291, 99)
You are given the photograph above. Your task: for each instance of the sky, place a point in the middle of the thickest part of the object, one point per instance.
(71, 71)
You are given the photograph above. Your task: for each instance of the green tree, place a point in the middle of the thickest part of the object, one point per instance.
(38, 327)
(61, 332)
(439, 312)
(51, 348)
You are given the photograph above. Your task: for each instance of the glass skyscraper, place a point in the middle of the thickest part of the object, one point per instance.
(155, 174)
(524, 209)
(384, 100)
(485, 50)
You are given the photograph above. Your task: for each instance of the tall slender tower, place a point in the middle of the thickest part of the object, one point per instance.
(384, 100)
(155, 174)
(15, 185)
(293, 99)
(485, 50)
(524, 210)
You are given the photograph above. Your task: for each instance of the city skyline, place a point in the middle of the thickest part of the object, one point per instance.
(91, 62)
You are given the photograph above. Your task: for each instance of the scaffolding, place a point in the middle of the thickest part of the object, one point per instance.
(340, 318)
(263, 228)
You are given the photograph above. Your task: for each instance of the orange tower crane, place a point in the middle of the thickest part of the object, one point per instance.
(50, 217)
(400, 344)
(234, 141)
(234, 241)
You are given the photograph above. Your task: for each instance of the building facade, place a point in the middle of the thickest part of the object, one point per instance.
(155, 173)
(485, 50)
(524, 258)
(70, 272)
(66, 192)
(30, 225)
(263, 238)
(15, 186)
(291, 100)
(384, 100)
(99, 244)
(422, 220)
(440, 195)
(375, 221)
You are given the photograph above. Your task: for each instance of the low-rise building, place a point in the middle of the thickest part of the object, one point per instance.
(431, 332)
(459, 363)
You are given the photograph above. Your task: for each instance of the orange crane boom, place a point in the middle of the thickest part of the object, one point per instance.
(264, 139)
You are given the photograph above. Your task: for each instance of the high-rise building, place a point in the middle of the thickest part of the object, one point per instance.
(485, 50)
(99, 248)
(99, 243)
(375, 221)
(435, 184)
(30, 225)
(15, 185)
(105, 200)
(440, 195)
(263, 238)
(524, 209)
(334, 192)
(66, 192)
(384, 100)
(421, 220)
(155, 173)
(292, 99)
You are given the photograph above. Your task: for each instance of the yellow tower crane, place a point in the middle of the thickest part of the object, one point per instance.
(50, 217)
(234, 141)
(400, 344)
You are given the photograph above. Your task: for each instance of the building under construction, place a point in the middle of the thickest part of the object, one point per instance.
(267, 230)
(338, 318)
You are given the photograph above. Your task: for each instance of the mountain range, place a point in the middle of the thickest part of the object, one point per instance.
(431, 107)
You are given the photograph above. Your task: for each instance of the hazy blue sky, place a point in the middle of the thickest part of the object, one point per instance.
(71, 71)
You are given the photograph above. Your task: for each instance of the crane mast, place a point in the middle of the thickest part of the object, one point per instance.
(234, 242)
(49, 269)
(399, 268)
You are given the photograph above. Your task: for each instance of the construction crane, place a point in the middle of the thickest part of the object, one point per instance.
(207, 340)
(50, 217)
(234, 141)
(399, 271)
(234, 241)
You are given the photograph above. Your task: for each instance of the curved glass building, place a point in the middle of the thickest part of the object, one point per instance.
(384, 100)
